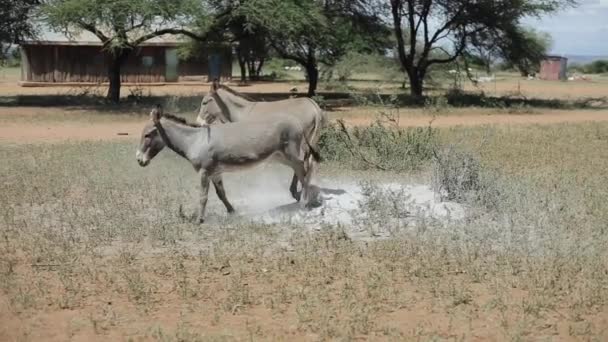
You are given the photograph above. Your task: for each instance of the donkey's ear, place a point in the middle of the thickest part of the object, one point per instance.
(156, 113)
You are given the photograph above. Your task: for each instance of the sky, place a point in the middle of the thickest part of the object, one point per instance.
(582, 30)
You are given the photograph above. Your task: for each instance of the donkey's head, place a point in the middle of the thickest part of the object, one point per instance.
(150, 142)
(210, 110)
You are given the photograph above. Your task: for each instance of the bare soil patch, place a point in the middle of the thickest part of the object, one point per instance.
(50, 132)
(476, 117)
(570, 90)
(38, 124)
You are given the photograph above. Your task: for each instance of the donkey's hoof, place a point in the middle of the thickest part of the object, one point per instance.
(314, 203)
(297, 195)
(200, 220)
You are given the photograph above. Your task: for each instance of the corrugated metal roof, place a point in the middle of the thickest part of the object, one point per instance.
(86, 38)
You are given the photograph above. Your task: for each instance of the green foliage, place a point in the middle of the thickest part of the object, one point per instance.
(11, 58)
(16, 23)
(596, 67)
(123, 24)
(485, 26)
(361, 63)
(378, 146)
(523, 48)
(311, 32)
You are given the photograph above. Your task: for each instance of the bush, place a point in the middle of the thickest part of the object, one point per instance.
(366, 65)
(436, 105)
(378, 146)
(596, 67)
(458, 176)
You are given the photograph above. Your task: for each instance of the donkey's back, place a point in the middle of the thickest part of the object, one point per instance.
(244, 144)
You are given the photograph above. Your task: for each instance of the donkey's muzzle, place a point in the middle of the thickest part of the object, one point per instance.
(141, 160)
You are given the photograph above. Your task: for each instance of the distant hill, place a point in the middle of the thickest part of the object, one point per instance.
(582, 59)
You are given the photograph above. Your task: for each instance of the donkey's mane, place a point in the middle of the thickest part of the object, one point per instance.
(234, 92)
(179, 120)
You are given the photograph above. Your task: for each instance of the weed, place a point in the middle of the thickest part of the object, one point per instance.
(378, 146)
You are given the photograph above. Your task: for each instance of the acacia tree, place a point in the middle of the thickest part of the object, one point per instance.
(15, 24)
(251, 40)
(252, 51)
(122, 25)
(423, 27)
(522, 48)
(310, 32)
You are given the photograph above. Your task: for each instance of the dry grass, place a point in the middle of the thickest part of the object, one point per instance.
(95, 248)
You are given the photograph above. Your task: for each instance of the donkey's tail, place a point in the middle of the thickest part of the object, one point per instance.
(315, 154)
(313, 136)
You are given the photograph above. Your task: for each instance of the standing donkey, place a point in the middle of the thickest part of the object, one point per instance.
(222, 104)
(213, 150)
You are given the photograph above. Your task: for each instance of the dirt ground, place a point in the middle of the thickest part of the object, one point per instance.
(596, 86)
(38, 124)
(102, 313)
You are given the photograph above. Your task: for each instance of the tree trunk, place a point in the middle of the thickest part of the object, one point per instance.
(242, 65)
(416, 77)
(243, 68)
(258, 72)
(312, 74)
(116, 61)
(251, 67)
(416, 86)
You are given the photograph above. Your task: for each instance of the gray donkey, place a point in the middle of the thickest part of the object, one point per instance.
(224, 148)
(223, 105)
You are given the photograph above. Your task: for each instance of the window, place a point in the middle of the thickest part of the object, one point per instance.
(147, 61)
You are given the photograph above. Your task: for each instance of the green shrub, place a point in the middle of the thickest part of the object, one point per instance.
(378, 146)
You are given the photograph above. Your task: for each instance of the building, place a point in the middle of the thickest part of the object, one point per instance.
(55, 58)
(553, 68)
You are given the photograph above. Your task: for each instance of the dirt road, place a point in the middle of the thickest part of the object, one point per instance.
(35, 128)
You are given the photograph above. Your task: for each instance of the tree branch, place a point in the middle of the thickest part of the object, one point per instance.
(91, 28)
(174, 31)
(396, 11)
(284, 54)
(413, 31)
(447, 25)
(461, 46)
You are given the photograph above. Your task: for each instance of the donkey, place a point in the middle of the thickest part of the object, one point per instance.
(222, 104)
(213, 150)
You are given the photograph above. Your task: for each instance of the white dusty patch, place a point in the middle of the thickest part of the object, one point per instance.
(343, 205)
(262, 196)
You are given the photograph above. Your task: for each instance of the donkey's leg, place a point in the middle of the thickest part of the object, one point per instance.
(314, 192)
(221, 193)
(298, 168)
(304, 155)
(292, 155)
(204, 195)
(293, 188)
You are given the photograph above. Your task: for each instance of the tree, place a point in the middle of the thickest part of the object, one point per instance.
(251, 39)
(252, 51)
(15, 24)
(122, 25)
(422, 27)
(310, 32)
(518, 47)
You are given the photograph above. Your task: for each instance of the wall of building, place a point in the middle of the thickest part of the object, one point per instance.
(67, 63)
(553, 69)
